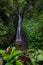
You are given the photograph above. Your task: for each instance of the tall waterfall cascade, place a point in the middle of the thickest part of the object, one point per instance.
(18, 35)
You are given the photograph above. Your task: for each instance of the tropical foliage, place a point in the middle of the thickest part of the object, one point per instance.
(10, 55)
(17, 57)
(33, 31)
(7, 30)
(31, 12)
(32, 24)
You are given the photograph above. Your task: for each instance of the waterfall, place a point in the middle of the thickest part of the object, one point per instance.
(18, 35)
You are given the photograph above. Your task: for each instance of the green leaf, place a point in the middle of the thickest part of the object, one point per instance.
(40, 58)
(7, 14)
(21, 1)
(13, 50)
(16, 53)
(32, 61)
(10, 2)
(9, 63)
(7, 48)
(6, 57)
(19, 63)
(9, 57)
(2, 52)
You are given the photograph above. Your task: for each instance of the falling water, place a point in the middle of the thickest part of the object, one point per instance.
(18, 35)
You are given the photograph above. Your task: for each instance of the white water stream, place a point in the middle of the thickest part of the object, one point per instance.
(18, 35)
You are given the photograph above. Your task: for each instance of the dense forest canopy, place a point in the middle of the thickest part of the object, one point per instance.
(31, 12)
(7, 30)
